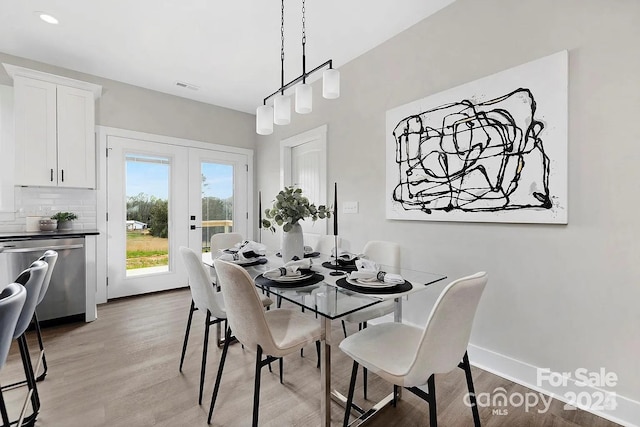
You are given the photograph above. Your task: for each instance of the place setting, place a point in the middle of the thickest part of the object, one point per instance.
(368, 278)
(247, 254)
(308, 253)
(293, 274)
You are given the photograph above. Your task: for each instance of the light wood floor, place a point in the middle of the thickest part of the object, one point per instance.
(122, 370)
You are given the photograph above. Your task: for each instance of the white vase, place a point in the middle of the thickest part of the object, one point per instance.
(292, 243)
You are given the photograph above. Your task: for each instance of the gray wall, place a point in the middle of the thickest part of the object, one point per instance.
(559, 297)
(134, 108)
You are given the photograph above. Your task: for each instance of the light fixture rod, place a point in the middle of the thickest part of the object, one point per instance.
(282, 47)
(298, 79)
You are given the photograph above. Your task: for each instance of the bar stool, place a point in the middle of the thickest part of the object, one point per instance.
(50, 257)
(12, 300)
(32, 279)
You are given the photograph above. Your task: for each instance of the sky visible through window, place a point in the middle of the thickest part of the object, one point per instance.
(150, 175)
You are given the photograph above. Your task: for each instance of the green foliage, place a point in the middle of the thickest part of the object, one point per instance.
(139, 207)
(214, 208)
(289, 207)
(64, 216)
(159, 220)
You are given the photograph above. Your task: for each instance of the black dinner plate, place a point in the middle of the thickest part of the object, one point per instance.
(404, 287)
(263, 281)
(330, 265)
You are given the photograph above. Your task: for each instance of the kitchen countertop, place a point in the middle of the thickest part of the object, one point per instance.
(34, 235)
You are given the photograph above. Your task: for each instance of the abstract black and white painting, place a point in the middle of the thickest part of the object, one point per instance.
(493, 150)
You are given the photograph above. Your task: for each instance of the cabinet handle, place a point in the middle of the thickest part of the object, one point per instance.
(51, 175)
(62, 175)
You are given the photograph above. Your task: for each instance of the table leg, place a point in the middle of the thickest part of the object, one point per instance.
(325, 374)
(397, 317)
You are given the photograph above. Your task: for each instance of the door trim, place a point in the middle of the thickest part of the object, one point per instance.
(286, 146)
(285, 153)
(102, 133)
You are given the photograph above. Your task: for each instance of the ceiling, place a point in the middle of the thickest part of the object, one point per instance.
(229, 50)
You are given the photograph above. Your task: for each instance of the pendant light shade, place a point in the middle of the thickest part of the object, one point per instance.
(331, 84)
(304, 99)
(278, 110)
(264, 120)
(281, 110)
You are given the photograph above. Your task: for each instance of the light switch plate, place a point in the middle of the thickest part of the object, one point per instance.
(350, 207)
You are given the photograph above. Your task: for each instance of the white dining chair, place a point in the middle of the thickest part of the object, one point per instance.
(218, 241)
(272, 334)
(12, 300)
(32, 279)
(387, 254)
(413, 355)
(207, 300)
(326, 244)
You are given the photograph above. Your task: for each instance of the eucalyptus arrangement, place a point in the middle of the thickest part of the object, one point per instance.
(289, 207)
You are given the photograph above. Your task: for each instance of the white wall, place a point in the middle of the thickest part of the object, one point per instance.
(134, 108)
(559, 297)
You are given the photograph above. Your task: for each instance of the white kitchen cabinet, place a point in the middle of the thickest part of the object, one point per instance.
(54, 130)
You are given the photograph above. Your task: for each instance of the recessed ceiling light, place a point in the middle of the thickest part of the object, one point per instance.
(47, 18)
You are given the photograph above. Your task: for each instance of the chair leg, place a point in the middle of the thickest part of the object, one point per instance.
(214, 396)
(281, 367)
(256, 387)
(318, 353)
(472, 393)
(3, 411)
(433, 418)
(31, 380)
(352, 386)
(203, 367)
(344, 328)
(186, 333)
(41, 345)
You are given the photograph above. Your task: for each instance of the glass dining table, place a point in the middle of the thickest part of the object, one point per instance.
(332, 297)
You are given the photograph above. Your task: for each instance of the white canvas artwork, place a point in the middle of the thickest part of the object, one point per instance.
(492, 150)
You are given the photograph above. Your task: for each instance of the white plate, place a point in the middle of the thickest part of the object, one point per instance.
(286, 279)
(370, 284)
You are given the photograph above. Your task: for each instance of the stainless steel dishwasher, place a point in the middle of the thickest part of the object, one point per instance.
(66, 296)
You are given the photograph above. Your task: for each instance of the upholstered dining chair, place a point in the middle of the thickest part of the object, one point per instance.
(413, 355)
(218, 241)
(32, 279)
(12, 300)
(387, 254)
(207, 300)
(272, 334)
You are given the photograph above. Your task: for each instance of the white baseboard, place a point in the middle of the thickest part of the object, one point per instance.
(626, 411)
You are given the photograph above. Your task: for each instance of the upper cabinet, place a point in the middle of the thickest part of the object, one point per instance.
(54, 129)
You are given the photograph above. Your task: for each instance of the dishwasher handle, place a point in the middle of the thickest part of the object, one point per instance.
(40, 249)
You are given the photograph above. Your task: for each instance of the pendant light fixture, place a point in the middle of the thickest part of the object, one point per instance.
(280, 112)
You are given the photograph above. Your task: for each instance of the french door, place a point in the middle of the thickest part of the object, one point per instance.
(162, 196)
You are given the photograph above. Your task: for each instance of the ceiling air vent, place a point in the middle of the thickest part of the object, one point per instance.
(187, 85)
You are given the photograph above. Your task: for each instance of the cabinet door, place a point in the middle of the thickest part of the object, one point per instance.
(35, 132)
(76, 141)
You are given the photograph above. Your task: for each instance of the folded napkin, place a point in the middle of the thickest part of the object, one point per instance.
(244, 252)
(290, 269)
(369, 271)
(345, 258)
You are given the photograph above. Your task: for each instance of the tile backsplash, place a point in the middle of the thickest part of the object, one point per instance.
(45, 201)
